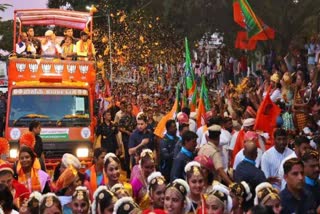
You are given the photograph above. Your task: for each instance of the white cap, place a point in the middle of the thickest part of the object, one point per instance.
(69, 159)
(48, 33)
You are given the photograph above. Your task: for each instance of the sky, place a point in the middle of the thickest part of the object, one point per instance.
(20, 4)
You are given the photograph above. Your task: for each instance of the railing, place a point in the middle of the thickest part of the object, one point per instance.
(73, 57)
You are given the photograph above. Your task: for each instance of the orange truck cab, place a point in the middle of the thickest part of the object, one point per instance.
(58, 93)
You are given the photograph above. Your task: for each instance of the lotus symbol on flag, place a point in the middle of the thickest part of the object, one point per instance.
(83, 69)
(58, 68)
(46, 68)
(21, 67)
(71, 69)
(33, 67)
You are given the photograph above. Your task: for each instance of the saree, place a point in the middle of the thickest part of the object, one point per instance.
(140, 193)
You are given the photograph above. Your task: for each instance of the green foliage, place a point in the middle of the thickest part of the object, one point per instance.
(292, 22)
(193, 18)
(6, 29)
(3, 7)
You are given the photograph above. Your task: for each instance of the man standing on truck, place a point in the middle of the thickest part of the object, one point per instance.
(49, 46)
(34, 41)
(25, 46)
(85, 47)
(68, 32)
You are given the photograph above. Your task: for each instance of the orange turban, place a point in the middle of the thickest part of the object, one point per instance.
(66, 178)
(28, 139)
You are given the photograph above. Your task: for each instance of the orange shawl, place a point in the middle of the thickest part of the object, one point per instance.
(93, 178)
(35, 181)
(238, 145)
(86, 46)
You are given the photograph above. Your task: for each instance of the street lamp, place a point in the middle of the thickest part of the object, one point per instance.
(110, 51)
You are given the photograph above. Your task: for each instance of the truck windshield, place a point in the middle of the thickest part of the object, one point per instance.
(63, 110)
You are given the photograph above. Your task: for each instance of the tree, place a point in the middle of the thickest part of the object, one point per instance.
(3, 7)
(6, 29)
(291, 19)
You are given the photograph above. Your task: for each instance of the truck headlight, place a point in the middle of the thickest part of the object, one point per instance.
(13, 153)
(82, 152)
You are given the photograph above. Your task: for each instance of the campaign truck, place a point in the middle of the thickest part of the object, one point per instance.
(58, 93)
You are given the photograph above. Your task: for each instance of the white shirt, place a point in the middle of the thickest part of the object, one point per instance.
(240, 156)
(281, 171)
(50, 48)
(192, 125)
(233, 140)
(203, 140)
(276, 94)
(271, 160)
(200, 133)
(21, 47)
(225, 138)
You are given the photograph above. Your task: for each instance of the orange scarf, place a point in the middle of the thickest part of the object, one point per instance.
(68, 49)
(35, 181)
(238, 145)
(93, 178)
(86, 46)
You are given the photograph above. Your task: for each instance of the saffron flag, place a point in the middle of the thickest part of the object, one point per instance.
(161, 127)
(267, 115)
(242, 41)
(238, 145)
(246, 18)
(190, 77)
(256, 29)
(266, 33)
(203, 105)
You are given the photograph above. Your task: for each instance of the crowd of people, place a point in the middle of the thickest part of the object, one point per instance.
(223, 166)
(50, 46)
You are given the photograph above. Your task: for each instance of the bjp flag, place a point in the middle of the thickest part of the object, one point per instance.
(267, 115)
(203, 105)
(161, 127)
(242, 41)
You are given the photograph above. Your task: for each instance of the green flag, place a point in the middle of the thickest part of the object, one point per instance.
(190, 79)
(193, 103)
(245, 17)
(178, 98)
(204, 93)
